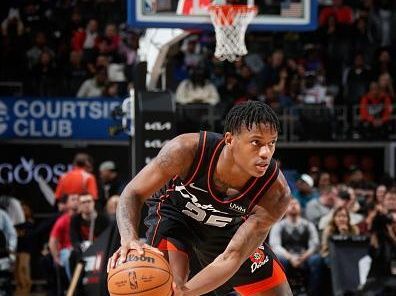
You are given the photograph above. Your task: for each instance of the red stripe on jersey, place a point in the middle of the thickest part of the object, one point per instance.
(210, 172)
(264, 186)
(199, 162)
(162, 198)
(278, 277)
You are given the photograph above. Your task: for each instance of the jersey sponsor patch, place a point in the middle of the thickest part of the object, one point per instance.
(258, 258)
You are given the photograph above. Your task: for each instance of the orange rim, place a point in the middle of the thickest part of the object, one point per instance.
(225, 14)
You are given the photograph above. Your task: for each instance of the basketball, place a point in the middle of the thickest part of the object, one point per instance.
(144, 275)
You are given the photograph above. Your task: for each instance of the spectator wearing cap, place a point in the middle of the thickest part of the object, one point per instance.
(305, 190)
(79, 180)
(110, 182)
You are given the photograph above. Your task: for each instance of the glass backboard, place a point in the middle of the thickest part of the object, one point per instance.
(276, 15)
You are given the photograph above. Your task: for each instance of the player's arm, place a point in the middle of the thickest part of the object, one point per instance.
(250, 235)
(175, 158)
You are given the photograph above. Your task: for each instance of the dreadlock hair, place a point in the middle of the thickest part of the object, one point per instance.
(248, 114)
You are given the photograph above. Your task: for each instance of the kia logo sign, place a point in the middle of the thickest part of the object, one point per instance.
(157, 126)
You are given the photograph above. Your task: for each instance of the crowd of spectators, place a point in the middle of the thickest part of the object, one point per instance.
(85, 49)
(356, 209)
(85, 206)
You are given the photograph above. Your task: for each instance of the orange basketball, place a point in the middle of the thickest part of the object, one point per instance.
(143, 275)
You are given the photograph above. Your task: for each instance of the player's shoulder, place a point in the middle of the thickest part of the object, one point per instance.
(184, 143)
(280, 186)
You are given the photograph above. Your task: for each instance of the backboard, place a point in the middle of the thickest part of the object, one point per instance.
(273, 15)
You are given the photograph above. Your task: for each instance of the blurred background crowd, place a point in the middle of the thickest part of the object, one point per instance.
(344, 69)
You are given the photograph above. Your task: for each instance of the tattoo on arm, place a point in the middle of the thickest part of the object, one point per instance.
(128, 216)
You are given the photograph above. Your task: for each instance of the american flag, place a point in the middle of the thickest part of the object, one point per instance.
(291, 9)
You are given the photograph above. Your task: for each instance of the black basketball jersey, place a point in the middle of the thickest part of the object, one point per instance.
(197, 198)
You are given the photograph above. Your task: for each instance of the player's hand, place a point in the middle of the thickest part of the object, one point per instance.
(122, 252)
(179, 290)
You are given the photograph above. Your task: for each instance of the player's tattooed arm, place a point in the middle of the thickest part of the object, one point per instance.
(175, 158)
(250, 235)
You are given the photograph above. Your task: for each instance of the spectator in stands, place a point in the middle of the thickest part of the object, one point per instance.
(75, 73)
(110, 182)
(339, 224)
(111, 207)
(197, 89)
(314, 92)
(295, 241)
(84, 41)
(324, 180)
(345, 198)
(13, 46)
(40, 45)
(59, 242)
(78, 180)
(108, 44)
(380, 193)
(111, 90)
(385, 84)
(192, 51)
(93, 87)
(128, 51)
(343, 14)
(383, 238)
(7, 230)
(383, 63)
(8, 244)
(319, 207)
(23, 280)
(271, 72)
(231, 90)
(362, 41)
(375, 111)
(11, 205)
(305, 190)
(33, 17)
(44, 76)
(85, 227)
(380, 21)
(355, 82)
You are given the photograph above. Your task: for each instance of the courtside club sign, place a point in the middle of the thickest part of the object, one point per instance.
(57, 118)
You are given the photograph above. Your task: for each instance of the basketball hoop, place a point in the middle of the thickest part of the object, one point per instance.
(230, 22)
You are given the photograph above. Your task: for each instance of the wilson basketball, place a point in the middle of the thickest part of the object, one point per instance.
(143, 275)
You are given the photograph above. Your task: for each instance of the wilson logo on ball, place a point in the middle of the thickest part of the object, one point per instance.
(134, 258)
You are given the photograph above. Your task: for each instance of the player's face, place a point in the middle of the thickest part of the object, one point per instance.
(253, 149)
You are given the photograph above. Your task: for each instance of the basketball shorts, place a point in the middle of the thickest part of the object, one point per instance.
(172, 231)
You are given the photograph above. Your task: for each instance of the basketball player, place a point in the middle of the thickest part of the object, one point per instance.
(220, 196)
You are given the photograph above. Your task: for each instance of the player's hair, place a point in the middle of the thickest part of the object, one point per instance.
(248, 114)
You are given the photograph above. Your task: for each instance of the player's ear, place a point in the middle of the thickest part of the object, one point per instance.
(228, 138)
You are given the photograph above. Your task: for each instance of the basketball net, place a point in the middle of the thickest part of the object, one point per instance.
(230, 22)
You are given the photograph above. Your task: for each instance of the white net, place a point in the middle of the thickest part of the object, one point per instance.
(230, 22)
